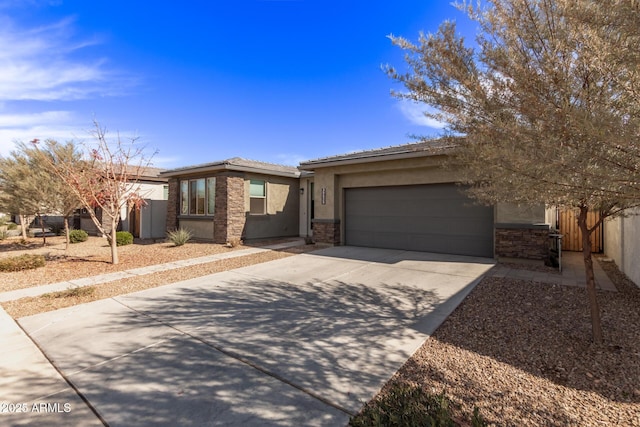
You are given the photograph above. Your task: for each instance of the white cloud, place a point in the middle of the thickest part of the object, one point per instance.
(58, 125)
(44, 64)
(414, 112)
(42, 67)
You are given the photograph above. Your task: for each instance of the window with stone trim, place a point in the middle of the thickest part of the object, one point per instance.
(257, 197)
(197, 196)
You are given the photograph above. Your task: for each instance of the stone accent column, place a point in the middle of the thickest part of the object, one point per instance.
(525, 241)
(236, 217)
(326, 231)
(229, 218)
(173, 205)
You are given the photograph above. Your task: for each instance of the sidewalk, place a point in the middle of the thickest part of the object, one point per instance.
(573, 273)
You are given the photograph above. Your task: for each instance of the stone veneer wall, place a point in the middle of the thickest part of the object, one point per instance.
(326, 231)
(174, 205)
(522, 241)
(229, 218)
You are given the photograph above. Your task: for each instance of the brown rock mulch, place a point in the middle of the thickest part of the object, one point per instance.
(521, 352)
(92, 257)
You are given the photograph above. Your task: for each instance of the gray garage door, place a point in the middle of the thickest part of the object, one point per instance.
(431, 218)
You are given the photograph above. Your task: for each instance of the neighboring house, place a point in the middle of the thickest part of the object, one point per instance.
(401, 197)
(234, 199)
(146, 222)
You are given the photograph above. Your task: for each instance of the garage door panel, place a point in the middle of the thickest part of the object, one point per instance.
(433, 218)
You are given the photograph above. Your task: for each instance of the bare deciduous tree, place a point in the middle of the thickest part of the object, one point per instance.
(107, 179)
(543, 108)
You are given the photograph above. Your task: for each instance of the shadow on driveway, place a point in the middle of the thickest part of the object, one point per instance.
(237, 348)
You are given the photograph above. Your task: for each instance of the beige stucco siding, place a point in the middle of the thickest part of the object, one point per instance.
(507, 213)
(396, 172)
(622, 243)
(201, 228)
(282, 216)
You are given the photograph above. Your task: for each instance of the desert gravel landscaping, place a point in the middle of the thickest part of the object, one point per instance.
(520, 351)
(92, 257)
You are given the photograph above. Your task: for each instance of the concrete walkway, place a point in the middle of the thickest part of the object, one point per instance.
(573, 273)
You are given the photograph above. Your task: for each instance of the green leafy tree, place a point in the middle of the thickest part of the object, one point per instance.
(543, 108)
(31, 188)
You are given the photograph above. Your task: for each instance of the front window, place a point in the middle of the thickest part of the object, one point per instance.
(197, 196)
(184, 197)
(257, 197)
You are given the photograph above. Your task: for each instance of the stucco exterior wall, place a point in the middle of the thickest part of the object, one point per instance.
(622, 243)
(202, 229)
(153, 191)
(153, 220)
(305, 213)
(425, 170)
(507, 213)
(283, 202)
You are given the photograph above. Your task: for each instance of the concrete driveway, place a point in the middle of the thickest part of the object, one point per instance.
(304, 340)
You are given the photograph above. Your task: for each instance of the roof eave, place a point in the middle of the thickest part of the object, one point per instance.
(225, 166)
(317, 164)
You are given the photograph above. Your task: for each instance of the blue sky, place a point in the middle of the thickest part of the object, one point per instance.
(273, 80)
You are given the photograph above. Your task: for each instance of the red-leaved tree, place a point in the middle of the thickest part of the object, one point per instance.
(106, 181)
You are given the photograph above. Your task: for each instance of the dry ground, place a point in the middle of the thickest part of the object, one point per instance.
(93, 257)
(518, 350)
(521, 352)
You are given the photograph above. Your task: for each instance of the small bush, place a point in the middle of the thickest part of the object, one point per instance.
(22, 262)
(123, 238)
(406, 405)
(180, 236)
(12, 226)
(77, 236)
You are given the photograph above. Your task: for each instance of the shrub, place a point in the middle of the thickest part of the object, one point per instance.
(405, 405)
(22, 262)
(180, 236)
(12, 226)
(77, 236)
(123, 238)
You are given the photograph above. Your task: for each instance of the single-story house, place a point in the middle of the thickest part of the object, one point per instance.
(234, 199)
(396, 197)
(399, 197)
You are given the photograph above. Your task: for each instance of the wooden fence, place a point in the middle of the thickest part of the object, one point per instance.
(572, 237)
